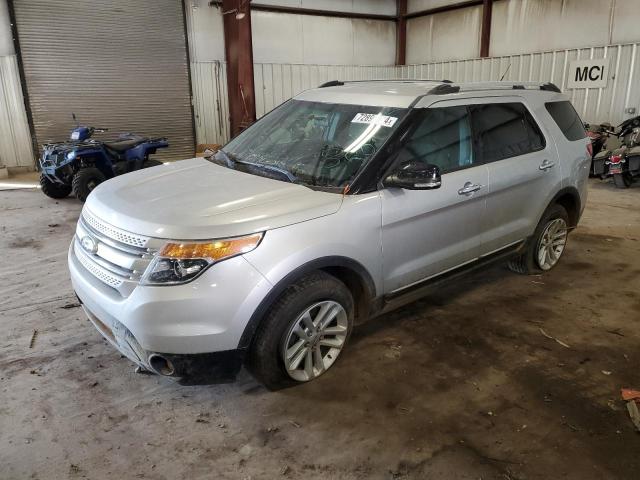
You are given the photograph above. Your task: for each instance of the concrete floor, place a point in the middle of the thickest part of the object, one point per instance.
(461, 385)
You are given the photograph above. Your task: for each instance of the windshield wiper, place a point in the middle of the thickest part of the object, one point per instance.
(285, 173)
(228, 161)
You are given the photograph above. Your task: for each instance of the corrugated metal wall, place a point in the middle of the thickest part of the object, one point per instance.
(593, 104)
(210, 102)
(117, 64)
(275, 83)
(15, 139)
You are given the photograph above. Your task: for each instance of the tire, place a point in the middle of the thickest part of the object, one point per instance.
(530, 262)
(276, 335)
(622, 180)
(151, 163)
(54, 190)
(85, 181)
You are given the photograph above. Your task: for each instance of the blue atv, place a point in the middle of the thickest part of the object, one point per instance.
(81, 164)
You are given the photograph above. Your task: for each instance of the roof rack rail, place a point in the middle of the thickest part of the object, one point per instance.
(444, 89)
(331, 83)
(550, 87)
(339, 83)
(479, 86)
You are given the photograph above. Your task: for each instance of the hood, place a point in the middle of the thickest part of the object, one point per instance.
(196, 199)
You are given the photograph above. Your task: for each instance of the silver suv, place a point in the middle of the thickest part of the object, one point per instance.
(344, 202)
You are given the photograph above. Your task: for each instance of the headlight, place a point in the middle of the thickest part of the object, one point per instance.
(182, 262)
(71, 155)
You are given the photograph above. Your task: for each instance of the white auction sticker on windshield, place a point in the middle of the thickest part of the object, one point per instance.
(374, 118)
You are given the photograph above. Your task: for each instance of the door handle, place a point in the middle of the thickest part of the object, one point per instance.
(469, 188)
(546, 165)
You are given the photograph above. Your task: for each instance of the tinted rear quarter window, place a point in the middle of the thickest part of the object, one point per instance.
(505, 130)
(567, 119)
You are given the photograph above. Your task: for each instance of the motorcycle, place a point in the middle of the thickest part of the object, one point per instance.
(82, 163)
(598, 135)
(620, 156)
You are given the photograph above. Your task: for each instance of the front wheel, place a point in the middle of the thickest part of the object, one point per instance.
(53, 189)
(622, 180)
(547, 244)
(303, 333)
(85, 181)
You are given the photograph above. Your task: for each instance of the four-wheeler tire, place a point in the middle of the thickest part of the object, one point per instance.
(86, 180)
(545, 247)
(53, 189)
(151, 163)
(622, 180)
(302, 333)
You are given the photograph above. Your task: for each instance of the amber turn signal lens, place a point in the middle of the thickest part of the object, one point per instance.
(215, 250)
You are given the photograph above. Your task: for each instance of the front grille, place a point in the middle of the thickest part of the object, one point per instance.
(113, 232)
(118, 258)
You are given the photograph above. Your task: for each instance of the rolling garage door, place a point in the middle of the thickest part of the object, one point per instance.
(118, 64)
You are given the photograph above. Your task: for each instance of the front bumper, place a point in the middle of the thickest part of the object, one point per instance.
(196, 326)
(186, 369)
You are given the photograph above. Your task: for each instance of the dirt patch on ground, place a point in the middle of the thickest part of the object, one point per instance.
(463, 384)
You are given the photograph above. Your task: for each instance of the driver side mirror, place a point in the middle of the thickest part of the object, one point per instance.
(414, 175)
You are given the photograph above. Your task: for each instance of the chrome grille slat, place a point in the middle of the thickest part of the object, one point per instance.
(109, 241)
(106, 264)
(97, 271)
(119, 258)
(115, 233)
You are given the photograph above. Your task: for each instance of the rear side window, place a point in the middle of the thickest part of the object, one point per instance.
(567, 119)
(505, 130)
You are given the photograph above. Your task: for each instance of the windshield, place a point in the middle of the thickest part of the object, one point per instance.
(312, 143)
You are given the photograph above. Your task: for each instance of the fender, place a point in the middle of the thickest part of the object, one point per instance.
(320, 263)
(574, 210)
(100, 160)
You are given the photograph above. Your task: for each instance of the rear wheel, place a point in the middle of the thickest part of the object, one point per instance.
(85, 181)
(547, 245)
(622, 180)
(303, 333)
(53, 189)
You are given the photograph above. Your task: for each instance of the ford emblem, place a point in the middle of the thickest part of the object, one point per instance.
(89, 244)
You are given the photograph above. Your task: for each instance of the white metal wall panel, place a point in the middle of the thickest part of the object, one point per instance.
(538, 25)
(6, 39)
(293, 38)
(205, 30)
(447, 35)
(593, 104)
(15, 139)
(417, 5)
(117, 64)
(210, 102)
(275, 83)
(375, 7)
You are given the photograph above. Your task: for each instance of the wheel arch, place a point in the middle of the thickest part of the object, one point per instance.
(352, 273)
(569, 199)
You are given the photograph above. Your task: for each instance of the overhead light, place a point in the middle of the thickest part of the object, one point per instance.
(240, 15)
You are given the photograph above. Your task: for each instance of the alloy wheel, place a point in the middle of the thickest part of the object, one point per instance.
(552, 243)
(314, 340)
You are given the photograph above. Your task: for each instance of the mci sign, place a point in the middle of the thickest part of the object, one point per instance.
(588, 73)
